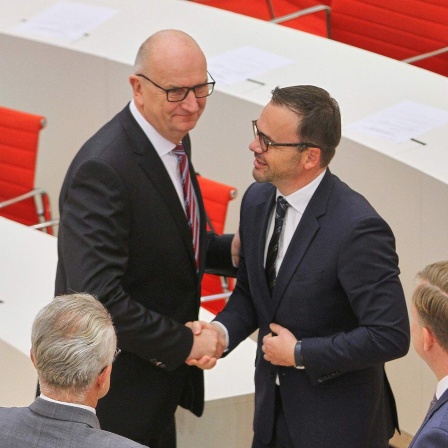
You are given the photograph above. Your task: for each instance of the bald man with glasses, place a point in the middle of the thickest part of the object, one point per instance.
(133, 233)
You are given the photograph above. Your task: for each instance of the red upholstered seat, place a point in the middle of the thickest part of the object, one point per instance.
(261, 9)
(216, 198)
(19, 136)
(395, 28)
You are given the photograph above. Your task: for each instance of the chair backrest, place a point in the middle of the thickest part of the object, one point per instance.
(216, 197)
(270, 9)
(19, 137)
(395, 28)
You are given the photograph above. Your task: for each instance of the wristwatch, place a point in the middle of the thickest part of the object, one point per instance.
(298, 356)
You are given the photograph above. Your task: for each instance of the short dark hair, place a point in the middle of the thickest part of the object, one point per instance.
(320, 118)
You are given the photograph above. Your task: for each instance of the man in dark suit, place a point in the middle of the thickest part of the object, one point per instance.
(73, 348)
(430, 340)
(124, 236)
(319, 279)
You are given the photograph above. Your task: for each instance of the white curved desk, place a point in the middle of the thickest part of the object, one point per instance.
(80, 85)
(28, 264)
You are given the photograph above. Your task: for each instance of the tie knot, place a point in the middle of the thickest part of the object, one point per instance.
(282, 206)
(179, 151)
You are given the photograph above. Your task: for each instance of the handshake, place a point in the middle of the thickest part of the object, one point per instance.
(209, 343)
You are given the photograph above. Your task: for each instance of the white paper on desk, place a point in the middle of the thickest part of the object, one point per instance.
(243, 63)
(401, 122)
(66, 20)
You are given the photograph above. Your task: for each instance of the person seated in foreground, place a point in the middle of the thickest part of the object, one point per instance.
(73, 346)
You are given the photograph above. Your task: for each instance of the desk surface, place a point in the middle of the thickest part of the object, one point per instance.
(28, 264)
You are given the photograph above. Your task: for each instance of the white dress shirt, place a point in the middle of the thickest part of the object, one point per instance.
(442, 386)
(163, 148)
(298, 201)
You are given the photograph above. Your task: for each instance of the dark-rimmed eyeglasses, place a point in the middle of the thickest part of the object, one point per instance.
(180, 93)
(117, 352)
(265, 143)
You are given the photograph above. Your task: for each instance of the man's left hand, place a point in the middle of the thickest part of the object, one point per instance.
(278, 346)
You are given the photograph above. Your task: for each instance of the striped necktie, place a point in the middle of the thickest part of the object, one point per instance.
(271, 257)
(191, 207)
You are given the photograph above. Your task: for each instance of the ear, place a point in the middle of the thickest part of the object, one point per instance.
(428, 338)
(103, 377)
(32, 358)
(136, 84)
(312, 158)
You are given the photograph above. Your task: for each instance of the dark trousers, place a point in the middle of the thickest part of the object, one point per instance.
(142, 402)
(167, 439)
(281, 437)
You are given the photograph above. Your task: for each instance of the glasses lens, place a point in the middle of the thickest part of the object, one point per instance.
(177, 94)
(263, 141)
(261, 137)
(203, 90)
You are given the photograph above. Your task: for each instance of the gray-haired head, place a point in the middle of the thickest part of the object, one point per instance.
(73, 339)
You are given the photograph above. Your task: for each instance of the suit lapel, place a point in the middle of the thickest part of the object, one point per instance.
(440, 402)
(150, 162)
(262, 216)
(303, 236)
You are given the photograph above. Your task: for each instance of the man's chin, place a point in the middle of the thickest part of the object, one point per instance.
(258, 176)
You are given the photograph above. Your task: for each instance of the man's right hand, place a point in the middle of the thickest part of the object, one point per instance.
(208, 344)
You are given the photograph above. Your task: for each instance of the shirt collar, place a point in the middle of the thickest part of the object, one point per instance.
(300, 198)
(442, 386)
(82, 406)
(160, 143)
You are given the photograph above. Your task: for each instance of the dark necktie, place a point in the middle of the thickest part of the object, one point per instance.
(280, 212)
(191, 208)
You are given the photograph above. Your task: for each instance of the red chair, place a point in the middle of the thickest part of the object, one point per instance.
(216, 197)
(312, 16)
(412, 31)
(20, 200)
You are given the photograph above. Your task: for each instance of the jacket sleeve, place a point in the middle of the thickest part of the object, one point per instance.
(94, 244)
(367, 269)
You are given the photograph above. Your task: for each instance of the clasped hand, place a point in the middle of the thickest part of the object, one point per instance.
(278, 346)
(208, 344)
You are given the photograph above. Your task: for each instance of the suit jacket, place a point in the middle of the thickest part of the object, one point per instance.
(124, 237)
(434, 430)
(338, 291)
(45, 424)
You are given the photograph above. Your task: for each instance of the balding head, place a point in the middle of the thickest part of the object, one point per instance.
(166, 47)
(166, 61)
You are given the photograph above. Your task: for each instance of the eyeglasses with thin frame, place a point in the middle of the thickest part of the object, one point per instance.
(265, 143)
(117, 352)
(180, 93)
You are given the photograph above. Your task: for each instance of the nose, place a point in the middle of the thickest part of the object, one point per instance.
(254, 145)
(190, 102)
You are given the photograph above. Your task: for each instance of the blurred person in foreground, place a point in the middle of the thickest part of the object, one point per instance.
(430, 339)
(319, 277)
(73, 346)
